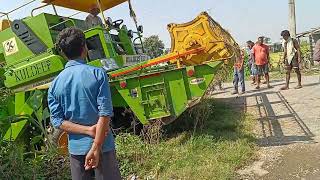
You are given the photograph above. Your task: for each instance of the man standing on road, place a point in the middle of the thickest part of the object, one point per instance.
(80, 104)
(250, 45)
(261, 57)
(291, 58)
(239, 73)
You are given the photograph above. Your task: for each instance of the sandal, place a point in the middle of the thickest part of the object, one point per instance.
(298, 87)
(284, 88)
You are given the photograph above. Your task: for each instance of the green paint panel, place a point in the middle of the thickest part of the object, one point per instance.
(37, 69)
(154, 100)
(202, 78)
(126, 41)
(177, 95)
(39, 26)
(22, 52)
(133, 102)
(42, 26)
(117, 99)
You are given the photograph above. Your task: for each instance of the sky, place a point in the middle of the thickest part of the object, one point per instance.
(245, 19)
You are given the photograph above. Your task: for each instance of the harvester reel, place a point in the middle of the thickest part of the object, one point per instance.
(202, 32)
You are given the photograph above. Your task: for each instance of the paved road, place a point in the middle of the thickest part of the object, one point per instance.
(287, 128)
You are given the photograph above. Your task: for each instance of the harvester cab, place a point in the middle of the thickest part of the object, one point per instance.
(122, 44)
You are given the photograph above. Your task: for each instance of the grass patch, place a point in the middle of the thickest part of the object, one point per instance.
(313, 72)
(209, 142)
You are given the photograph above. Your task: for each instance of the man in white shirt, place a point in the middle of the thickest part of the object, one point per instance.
(93, 19)
(291, 58)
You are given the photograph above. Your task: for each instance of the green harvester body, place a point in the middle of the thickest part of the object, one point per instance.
(32, 61)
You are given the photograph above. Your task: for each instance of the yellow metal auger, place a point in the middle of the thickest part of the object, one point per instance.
(202, 32)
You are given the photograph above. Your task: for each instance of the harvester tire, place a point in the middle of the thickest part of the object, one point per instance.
(59, 138)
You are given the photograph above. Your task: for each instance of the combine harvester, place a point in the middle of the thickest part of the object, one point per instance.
(148, 89)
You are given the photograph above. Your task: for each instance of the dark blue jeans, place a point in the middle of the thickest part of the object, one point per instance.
(238, 77)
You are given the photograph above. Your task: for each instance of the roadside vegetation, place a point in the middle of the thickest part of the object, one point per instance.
(210, 141)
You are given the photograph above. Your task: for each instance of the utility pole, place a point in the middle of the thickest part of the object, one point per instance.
(292, 18)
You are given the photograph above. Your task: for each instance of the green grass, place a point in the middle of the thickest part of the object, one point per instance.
(221, 143)
(277, 75)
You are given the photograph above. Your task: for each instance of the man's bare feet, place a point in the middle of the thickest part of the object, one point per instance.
(234, 92)
(284, 88)
(242, 92)
(257, 87)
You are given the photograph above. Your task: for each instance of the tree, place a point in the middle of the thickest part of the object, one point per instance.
(267, 40)
(305, 48)
(153, 46)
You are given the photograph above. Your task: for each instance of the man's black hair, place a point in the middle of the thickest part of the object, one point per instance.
(250, 42)
(261, 37)
(71, 42)
(285, 33)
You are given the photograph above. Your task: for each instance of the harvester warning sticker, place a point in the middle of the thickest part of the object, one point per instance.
(197, 81)
(10, 46)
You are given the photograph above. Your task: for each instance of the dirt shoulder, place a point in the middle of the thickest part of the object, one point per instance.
(287, 129)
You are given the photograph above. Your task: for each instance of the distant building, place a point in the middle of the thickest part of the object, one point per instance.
(275, 47)
(312, 35)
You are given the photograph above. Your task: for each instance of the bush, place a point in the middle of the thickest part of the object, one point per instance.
(15, 163)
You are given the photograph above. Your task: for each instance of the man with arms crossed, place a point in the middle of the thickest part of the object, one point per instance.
(80, 104)
(261, 57)
(291, 58)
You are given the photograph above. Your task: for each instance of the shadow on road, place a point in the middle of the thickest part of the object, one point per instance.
(276, 129)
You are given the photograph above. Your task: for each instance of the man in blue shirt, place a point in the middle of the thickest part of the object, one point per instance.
(80, 104)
